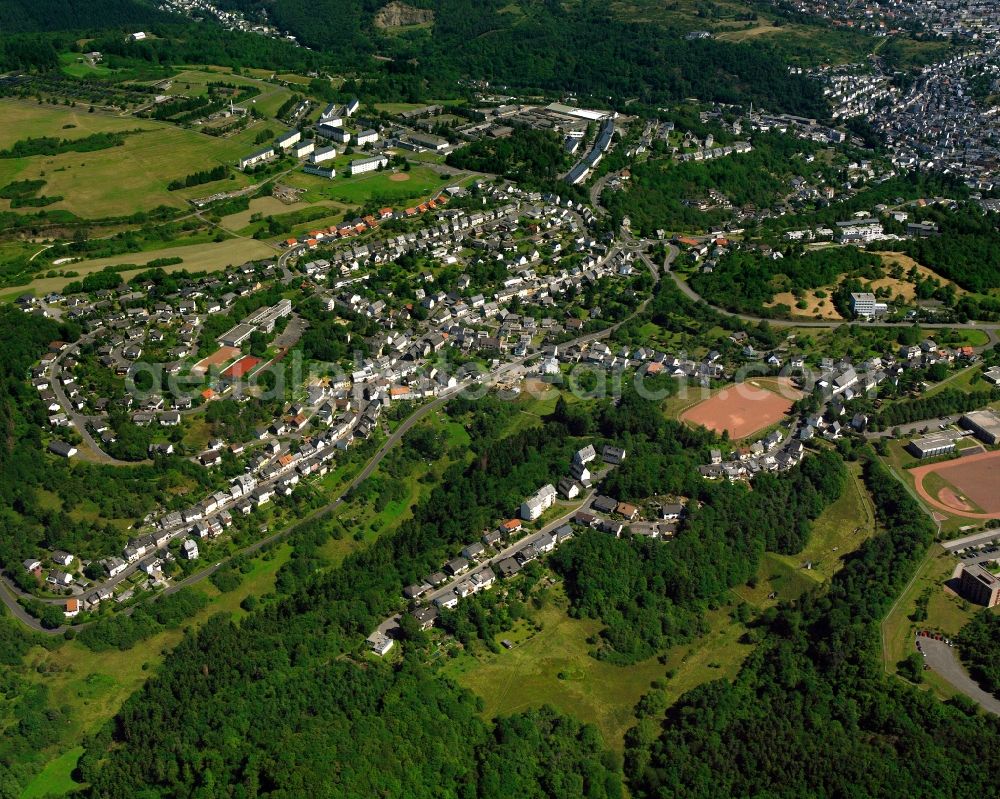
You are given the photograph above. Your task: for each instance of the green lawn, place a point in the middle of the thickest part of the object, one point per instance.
(373, 187)
(963, 380)
(840, 530)
(946, 613)
(360, 518)
(592, 690)
(76, 66)
(118, 180)
(55, 779)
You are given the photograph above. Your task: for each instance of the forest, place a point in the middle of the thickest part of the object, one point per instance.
(649, 595)
(968, 249)
(245, 705)
(979, 646)
(543, 45)
(815, 692)
(531, 158)
(661, 191)
(745, 280)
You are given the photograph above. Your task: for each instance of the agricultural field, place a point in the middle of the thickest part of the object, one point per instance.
(206, 257)
(272, 206)
(22, 117)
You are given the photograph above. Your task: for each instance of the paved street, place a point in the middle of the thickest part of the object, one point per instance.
(508, 551)
(944, 660)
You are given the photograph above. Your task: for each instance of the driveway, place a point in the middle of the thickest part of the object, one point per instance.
(943, 659)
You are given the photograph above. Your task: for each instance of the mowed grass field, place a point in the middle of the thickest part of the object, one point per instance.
(55, 779)
(118, 180)
(420, 183)
(554, 667)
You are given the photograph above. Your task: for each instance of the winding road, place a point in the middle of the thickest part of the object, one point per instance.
(990, 328)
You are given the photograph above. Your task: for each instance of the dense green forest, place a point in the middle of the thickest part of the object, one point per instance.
(661, 191)
(968, 249)
(20, 16)
(744, 280)
(979, 646)
(650, 596)
(224, 711)
(812, 710)
(531, 44)
(532, 158)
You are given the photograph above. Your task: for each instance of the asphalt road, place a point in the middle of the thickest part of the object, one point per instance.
(78, 419)
(944, 660)
(450, 586)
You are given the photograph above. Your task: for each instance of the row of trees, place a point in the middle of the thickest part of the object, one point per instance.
(197, 178)
(944, 403)
(50, 145)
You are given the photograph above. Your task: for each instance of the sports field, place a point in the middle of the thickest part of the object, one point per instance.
(217, 358)
(242, 367)
(964, 487)
(742, 409)
(386, 187)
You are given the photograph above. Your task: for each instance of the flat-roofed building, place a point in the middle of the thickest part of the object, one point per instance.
(363, 165)
(931, 446)
(865, 305)
(984, 425)
(235, 336)
(257, 157)
(980, 586)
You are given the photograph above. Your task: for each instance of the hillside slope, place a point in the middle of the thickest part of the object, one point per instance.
(20, 16)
